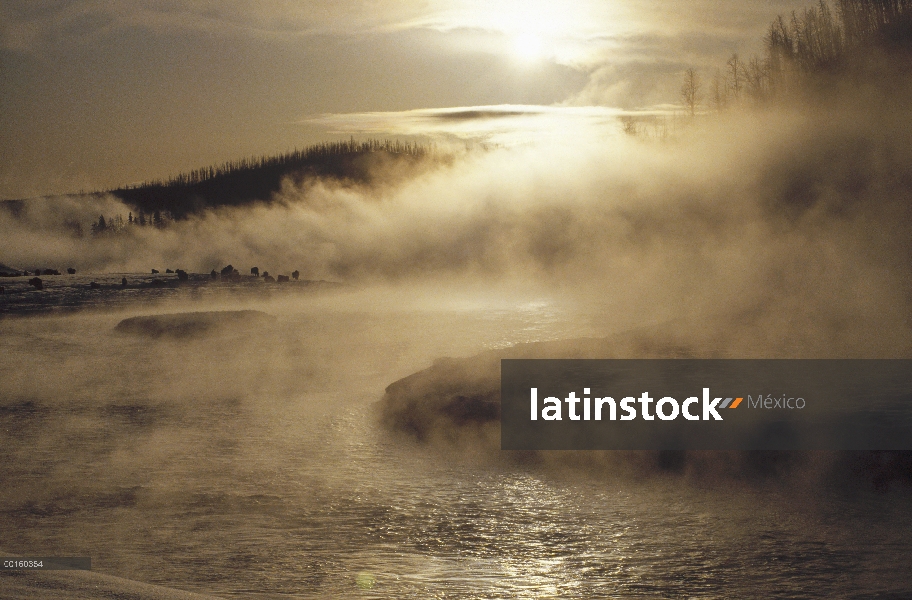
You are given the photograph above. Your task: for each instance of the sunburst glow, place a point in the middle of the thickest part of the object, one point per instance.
(528, 46)
(533, 29)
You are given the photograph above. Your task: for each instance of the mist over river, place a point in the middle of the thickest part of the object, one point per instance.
(435, 186)
(249, 462)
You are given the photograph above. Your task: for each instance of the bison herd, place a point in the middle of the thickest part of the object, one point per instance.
(38, 273)
(229, 273)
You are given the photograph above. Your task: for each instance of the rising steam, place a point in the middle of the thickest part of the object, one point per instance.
(797, 215)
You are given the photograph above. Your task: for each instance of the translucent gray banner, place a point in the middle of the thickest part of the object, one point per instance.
(43, 563)
(691, 404)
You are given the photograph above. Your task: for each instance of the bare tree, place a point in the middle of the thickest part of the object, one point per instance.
(719, 92)
(690, 91)
(629, 125)
(735, 76)
(757, 79)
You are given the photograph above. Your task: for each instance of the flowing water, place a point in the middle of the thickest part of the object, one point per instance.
(250, 464)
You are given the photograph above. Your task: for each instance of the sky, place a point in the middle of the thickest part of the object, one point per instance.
(96, 94)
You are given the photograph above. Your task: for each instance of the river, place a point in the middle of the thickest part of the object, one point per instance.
(250, 463)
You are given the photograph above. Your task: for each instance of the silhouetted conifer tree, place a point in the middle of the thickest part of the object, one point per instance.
(100, 226)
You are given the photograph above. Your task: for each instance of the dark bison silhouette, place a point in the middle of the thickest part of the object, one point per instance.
(39, 285)
(182, 275)
(123, 282)
(231, 273)
(255, 271)
(268, 278)
(71, 271)
(213, 274)
(168, 271)
(95, 285)
(51, 272)
(295, 274)
(283, 278)
(155, 271)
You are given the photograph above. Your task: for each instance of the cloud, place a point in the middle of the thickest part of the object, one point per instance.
(505, 125)
(476, 113)
(571, 31)
(26, 24)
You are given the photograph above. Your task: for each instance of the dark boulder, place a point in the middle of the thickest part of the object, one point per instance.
(155, 271)
(37, 273)
(39, 285)
(457, 394)
(448, 396)
(182, 275)
(95, 285)
(268, 278)
(283, 278)
(265, 273)
(168, 271)
(51, 272)
(227, 271)
(195, 324)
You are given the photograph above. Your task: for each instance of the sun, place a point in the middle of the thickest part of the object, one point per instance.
(535, 31)
(528, 46)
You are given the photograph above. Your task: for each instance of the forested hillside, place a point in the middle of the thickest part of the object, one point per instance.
(248, 180)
